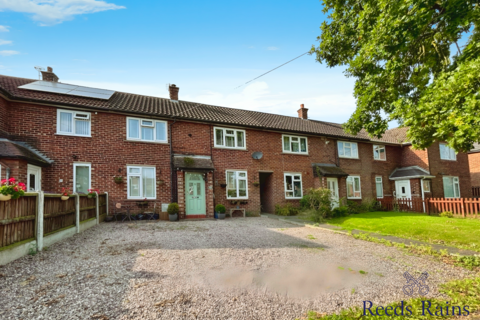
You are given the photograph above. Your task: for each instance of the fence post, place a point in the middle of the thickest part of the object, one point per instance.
(77, 212)
(40, 208)
(463, 207)
(106, 203)
(97, 209)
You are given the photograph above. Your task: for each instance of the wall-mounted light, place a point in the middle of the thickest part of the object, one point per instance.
(74, 156)
(327, 141)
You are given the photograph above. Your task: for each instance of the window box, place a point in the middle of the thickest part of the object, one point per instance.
(147, 130)
(379, 153)
(230, 138)
(141, 182)
(354, 190)
(293, 185)
(237, 187)
(295, 144)
(73, 123)
(347, 150)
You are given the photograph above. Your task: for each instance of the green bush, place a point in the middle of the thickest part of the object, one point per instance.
(220, 208)
(173, 208)
(447, 214)
(340, 212)
(370, 205)
(305, 202)
(286, 210)
(319, 203)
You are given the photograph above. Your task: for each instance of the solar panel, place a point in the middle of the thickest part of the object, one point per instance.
(63, 88)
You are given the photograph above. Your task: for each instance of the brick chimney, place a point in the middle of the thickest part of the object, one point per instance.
(49, 75)
(303, 112)
(173, 89)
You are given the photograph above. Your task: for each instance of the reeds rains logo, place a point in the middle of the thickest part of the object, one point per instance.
(415, 285)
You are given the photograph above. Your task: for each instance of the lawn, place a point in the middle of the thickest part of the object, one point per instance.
(461, 233)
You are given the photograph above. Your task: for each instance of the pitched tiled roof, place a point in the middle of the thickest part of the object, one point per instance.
(134, 103)
(19, 150)
(197, 163)
(328, 170)
(409, 172)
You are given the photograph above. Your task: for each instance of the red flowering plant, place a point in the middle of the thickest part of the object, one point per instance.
(66, 192)
(12, 187)
(92, 193)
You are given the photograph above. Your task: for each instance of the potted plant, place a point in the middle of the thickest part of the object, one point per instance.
(256, 184)
(223, 184)
(173, 211)
(92, 193)
(160, 182)
(10, 189)
(118, 179)
(220, 211)
(65, 194)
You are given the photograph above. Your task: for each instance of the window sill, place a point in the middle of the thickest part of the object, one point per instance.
(72, 135)
(234, 149)
(451, 160)
(296, 153)
(140, 199)
(348, 158)
(236, 199)
(144, 141)
(293, 198)
(354, 198)
(377, 159)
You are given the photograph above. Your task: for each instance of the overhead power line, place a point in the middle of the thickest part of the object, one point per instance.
(272, 70)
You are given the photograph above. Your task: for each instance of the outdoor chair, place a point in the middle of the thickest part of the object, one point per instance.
(151, 214)
(118, 212)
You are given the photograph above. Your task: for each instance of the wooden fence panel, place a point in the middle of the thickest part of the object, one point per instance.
(17, 220)
(58, 213)
(87, 208)
(102, 203)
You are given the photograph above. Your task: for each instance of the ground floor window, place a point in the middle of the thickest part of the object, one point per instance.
(426, 185)
(82, 177)
(237, 184)
(353, 187)
(379, 186)
(141, 183)
(451, 187)
(293, 186)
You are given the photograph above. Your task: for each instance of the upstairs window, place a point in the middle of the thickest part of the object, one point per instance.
(353, 187)
(230, 138)
(73, 123)
(237, 185)
(379, 153)
(347, 149)
(293, 144)
(447, 153)
(146, 130)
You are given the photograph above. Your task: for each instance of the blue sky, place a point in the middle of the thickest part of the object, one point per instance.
(207, 48)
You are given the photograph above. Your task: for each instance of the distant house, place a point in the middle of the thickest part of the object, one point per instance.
(135, 147)
(474, 161)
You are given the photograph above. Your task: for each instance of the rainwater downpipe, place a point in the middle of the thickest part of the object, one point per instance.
(423, 193)
(172, 184)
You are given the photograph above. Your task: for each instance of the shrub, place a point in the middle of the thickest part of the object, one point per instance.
(305, 202)
(340, 212)
(370, 205)
(447, 214)
(286, 210)
(173, 208)
(320, 203)
(220, 208)
(353, 207)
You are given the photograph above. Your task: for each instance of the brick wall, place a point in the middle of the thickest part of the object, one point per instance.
(3, 117)
(474, 164)
(412, 157)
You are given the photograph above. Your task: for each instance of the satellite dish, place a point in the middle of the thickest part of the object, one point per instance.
(257, 155)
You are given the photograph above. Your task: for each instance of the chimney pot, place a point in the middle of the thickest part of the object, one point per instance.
(49, 75)
(49, 69)
(173, 90)
(302, 112)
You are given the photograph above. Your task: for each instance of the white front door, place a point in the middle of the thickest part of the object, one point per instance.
(402, 189)
(332, 185)
(34, 178)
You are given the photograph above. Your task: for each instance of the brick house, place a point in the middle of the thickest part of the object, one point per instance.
(474, 162)
(54, 135)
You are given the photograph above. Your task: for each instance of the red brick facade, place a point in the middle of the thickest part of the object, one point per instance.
(109, 153)
(474, 163)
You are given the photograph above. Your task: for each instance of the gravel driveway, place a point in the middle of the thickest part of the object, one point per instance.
(254, 268)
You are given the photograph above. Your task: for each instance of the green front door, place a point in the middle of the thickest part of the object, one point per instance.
(195, 193)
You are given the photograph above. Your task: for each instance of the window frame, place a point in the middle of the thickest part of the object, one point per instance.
(140, 121)
(81, 164)
(141, 182)
(237, 184)
(351, 149)
(290, 144)
(450, 149)
(429, 186)
(292, 174)
(224, 140)
(359, 184)
(376, 191)
(379, 147)
(453, 186)
(73, 113)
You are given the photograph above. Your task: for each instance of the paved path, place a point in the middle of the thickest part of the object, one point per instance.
(438, 247)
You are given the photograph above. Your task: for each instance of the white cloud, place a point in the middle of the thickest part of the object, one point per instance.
(273, 48)
(6, 53)
(2, 42)
(49, 12)
(4, 29)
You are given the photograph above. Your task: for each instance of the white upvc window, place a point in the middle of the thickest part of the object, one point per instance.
(147, 130)
(379, 187)
(426, 185)
(73, 123)
(451, 187)
(141, 182)
(237, 186)
(293, 185)
(379, 153)
(295, 144)
(354, 190)
(82, 177)
(230, 138)
(447, 153)
(347, 149)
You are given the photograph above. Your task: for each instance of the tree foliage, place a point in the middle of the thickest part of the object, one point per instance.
(415, 61)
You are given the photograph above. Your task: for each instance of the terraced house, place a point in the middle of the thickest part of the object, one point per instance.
(136, 147)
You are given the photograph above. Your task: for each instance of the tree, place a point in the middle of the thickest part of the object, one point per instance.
(409, 65)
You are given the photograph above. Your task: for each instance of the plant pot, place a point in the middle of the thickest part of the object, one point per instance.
(223, 185)
(221, 216)
(160, 182)
(256, 184)
(5, 197)
(108, 218)
(215, 215)
(173, 217)
(65, 198)
(156, 216)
